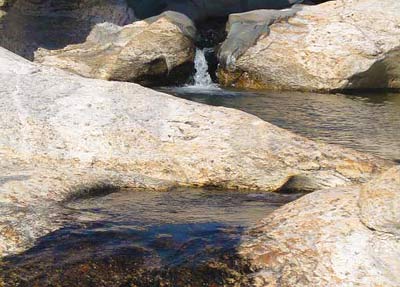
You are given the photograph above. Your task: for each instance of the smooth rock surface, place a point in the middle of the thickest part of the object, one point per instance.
(380, 203)
(320, 239)
(336, 45)
(155, 51)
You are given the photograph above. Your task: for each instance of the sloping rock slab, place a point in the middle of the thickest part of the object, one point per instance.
(321, 240)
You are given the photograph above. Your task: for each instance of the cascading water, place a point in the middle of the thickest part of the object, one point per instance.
(202, 78)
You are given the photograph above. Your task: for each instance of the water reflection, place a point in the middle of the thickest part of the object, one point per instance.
(366, 122)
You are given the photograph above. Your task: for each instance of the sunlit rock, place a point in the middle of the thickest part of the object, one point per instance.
(380, 203)
(62, 133)
(154, 51)
(321, 239)
(332, 46)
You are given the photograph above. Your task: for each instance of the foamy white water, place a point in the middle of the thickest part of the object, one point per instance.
(202, 78)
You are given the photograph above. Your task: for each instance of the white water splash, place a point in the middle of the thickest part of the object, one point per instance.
(202, 78)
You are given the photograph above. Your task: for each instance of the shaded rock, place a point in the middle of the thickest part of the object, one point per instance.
(200, 10)
(115, 11)
(62, 133)
(380, 203)
(336, 45)
(320, 240)
(54, 24)
(155, 51)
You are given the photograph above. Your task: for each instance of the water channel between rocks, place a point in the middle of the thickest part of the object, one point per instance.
(368, 122)
(144, 238)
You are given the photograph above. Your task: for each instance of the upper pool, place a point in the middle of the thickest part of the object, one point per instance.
(368, 122)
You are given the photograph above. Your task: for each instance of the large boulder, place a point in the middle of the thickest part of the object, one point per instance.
(156, 51)
(336, 45)
(321, 239)
(62, 134)
(53, 24)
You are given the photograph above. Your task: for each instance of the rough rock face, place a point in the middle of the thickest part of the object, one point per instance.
(336, 45)
(115, 11)
(320, 239)
(62, 134)
(53, 24)
(380, 203)
(155, 51)
(199, 10)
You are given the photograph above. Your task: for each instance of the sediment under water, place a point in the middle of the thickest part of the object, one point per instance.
(368, 122)
(145, 238)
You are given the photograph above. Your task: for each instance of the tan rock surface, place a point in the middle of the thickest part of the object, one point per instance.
(332, 46)
(320, 240)
(147, 52)
(380, 203)
(61, 133)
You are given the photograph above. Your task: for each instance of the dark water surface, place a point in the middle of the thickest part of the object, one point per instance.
(145, 238)
(368, 122)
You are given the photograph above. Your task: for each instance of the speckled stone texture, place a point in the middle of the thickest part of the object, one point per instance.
(321, 239)
(156, 51)
(337, 45)
(61, 133)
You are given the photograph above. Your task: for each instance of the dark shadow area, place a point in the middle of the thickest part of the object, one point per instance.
(201, 10)
(201, 254)
(210, 34)
(144, 238)
(24, 34)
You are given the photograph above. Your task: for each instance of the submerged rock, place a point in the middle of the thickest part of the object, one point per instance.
(321, 239)
(336, 45)
(62, 134)
(156, 51)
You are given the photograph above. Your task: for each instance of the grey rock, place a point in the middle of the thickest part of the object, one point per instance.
(54, 24)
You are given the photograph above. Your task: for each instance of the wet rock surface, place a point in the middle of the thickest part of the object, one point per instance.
(156, 51)
(336, 45)
(144, 238)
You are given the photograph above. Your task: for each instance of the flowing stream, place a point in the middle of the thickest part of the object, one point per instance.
(202, 78)
(368, 122)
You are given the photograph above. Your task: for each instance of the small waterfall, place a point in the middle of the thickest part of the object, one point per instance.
(202, 78)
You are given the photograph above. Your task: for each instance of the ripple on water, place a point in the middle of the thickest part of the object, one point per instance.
(368, 122)
(137, 238)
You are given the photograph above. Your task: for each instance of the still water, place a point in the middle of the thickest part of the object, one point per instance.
(368, 122)
(185, 237)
